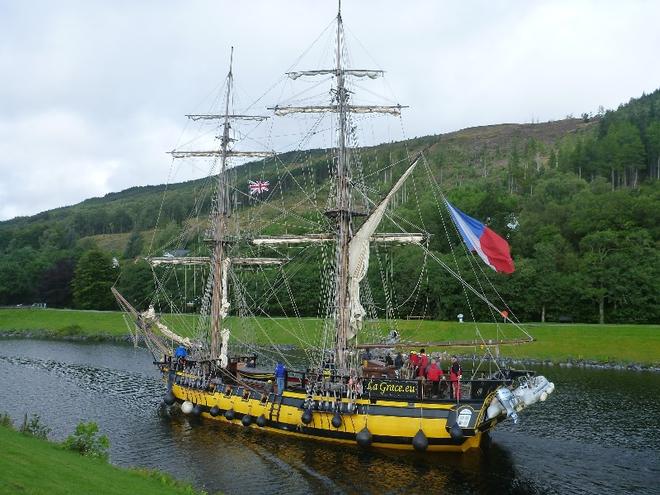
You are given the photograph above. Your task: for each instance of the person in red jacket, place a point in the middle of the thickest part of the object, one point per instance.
(455, 374)
(423, 363)
(414, 362)
(434, 373)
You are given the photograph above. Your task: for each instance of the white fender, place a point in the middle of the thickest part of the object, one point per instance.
(187, 407)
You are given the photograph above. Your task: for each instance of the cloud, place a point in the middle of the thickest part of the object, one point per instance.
(51, 159)
(60, 157)
(93, 93)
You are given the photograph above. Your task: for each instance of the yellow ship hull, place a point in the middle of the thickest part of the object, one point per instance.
(392, 424)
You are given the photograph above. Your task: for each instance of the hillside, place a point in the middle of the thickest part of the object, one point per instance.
(584, 193)
(136, 208)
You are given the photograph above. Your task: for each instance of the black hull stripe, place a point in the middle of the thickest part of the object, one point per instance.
(377, 410)
(342, 435)
(397, 411)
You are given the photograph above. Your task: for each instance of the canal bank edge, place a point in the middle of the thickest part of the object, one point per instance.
(611, 345)
(128, 339)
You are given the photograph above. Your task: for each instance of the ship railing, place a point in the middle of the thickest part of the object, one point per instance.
(197, 375)
(472, 389)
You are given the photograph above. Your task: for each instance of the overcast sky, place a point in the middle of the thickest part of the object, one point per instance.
(93, 93)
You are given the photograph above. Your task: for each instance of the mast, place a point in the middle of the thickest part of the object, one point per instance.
(342, 314)
(341, 213)
(219, 259)
(220, 225)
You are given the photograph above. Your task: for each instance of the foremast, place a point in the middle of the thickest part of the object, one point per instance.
(218, 264)
(219, 239)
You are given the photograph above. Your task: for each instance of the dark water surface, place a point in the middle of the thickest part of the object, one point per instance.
(598, 433)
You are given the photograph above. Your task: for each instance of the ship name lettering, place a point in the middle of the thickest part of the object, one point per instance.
(390, 388)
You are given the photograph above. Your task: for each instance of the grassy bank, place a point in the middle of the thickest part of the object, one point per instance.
(602, 343)
(35, 466)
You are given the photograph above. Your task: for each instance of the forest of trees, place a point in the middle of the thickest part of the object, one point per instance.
(586, 206)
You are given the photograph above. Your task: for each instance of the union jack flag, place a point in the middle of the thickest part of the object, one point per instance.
(258, 186)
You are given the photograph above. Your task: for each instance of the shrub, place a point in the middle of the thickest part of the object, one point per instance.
(71, 330)
(34, 427)
(87, 442)
(169, 481)
(5, 420)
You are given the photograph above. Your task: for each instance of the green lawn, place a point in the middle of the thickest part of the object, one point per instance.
(556, 342)
(605, 343)
(30, 465)
(63, 322)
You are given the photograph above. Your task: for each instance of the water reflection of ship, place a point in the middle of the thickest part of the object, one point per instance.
(329, 468)
(334, 397)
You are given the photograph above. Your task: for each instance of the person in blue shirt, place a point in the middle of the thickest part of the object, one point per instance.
(180, 355)
(280, 377)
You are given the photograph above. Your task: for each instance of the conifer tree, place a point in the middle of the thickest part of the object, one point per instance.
(93, 278)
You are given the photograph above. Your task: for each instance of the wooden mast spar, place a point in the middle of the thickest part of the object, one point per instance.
(342, 213)
(220, 261)
(343, 217)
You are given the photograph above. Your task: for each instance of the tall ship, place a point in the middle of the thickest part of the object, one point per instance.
(314, 236)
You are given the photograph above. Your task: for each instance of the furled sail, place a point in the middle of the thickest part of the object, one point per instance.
(396, 237)
(224, 359)
(221, 153)
(224, 307)
(215, 116)
(371, 74)
(390, 109)
(358, 253)
(178, 260)
(150, 318)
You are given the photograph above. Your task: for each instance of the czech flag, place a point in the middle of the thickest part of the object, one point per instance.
(490, 247)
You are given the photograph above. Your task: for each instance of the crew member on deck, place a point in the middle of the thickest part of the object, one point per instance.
(455, 374)
(434, 373)
(280, 376)
(366, 357)
(414, 362)
(180, 355)
(423, 363)
(398, 361)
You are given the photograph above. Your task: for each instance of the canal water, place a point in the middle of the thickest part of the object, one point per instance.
(598, 433)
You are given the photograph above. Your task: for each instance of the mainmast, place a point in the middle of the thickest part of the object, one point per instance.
(220, 261)
(341, 212)
(342, 314)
